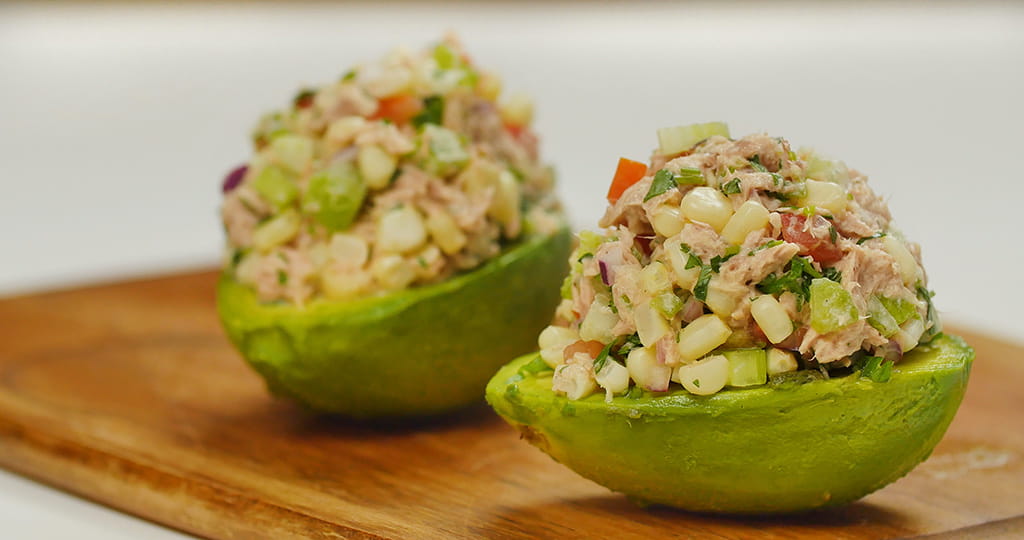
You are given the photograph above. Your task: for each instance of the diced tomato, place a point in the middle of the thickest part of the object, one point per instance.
(590, 348)
(514, 130)
(627, 173)
(399, 109)
(819, 248)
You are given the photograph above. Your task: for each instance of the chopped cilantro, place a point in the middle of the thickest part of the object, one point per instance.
(872, 237)
(663, 181)
(932, 314)
(876, 368)
(236, 257)
(731, 187)
(796, 279)
(771, 244)
(700, 290)
(282, 277)
(537, 365)
(690, 177)
(693, 261)
(755, 162)
(833, 235)
(602, 358)
(433, 111)
(422, 262)
(833, 274)
(630, 343)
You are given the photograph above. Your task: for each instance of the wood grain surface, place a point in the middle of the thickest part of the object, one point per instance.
(130, 395)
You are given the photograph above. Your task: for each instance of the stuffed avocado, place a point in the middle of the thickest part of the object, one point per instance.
(749, 333)
(376, 215)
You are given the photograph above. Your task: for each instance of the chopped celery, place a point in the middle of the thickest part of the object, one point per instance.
(335, 195)
(276, 187)
(668, 304)
(880, 318)
(747, 367)
(674, 140)
(831, 306)
(446, 57)
(294, 152)
(589, 242)
(900, 309)
(446, 152)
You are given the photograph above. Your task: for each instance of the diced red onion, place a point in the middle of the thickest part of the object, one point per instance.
(891, 351)
(605, 274)
(644, 242)
(234, 178)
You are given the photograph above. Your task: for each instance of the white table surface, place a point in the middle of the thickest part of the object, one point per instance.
(117, 122)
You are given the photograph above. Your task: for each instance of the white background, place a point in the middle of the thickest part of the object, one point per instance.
(118, 121)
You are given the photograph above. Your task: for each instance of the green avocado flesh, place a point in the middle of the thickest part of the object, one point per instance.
(779, 448)
(422, 351)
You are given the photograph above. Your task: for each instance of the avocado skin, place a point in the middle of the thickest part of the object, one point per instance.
(766, 450)
(418, 352)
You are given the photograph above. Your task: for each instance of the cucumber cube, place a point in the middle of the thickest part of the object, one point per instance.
(831, 306)
(747, 367)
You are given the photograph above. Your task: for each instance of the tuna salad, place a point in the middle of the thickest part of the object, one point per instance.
(730, 262)
(403, 172)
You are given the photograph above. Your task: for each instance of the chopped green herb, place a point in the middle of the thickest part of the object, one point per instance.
(349, 75)
(663, 181)
(602, 358)
(877, 369)
(696, 382)
(833, 235)
(717, 260)
(832, 273)
(282, 277)
(872, 237)
(767, 245)
(611, 306)
(693, 261)
(796, 279)
(236, 257)
(537, 365)
(634, 392)
(433, 111)
(731, 187)
(630, 343)
(700, 289)
(755, 162)
(422, 262)
(625, 300)
(932, 315)
(690, 177)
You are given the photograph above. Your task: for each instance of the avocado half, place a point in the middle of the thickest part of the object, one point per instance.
(779, 448)
(421, 351)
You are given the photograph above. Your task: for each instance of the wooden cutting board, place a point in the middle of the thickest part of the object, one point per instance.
(130, 395)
